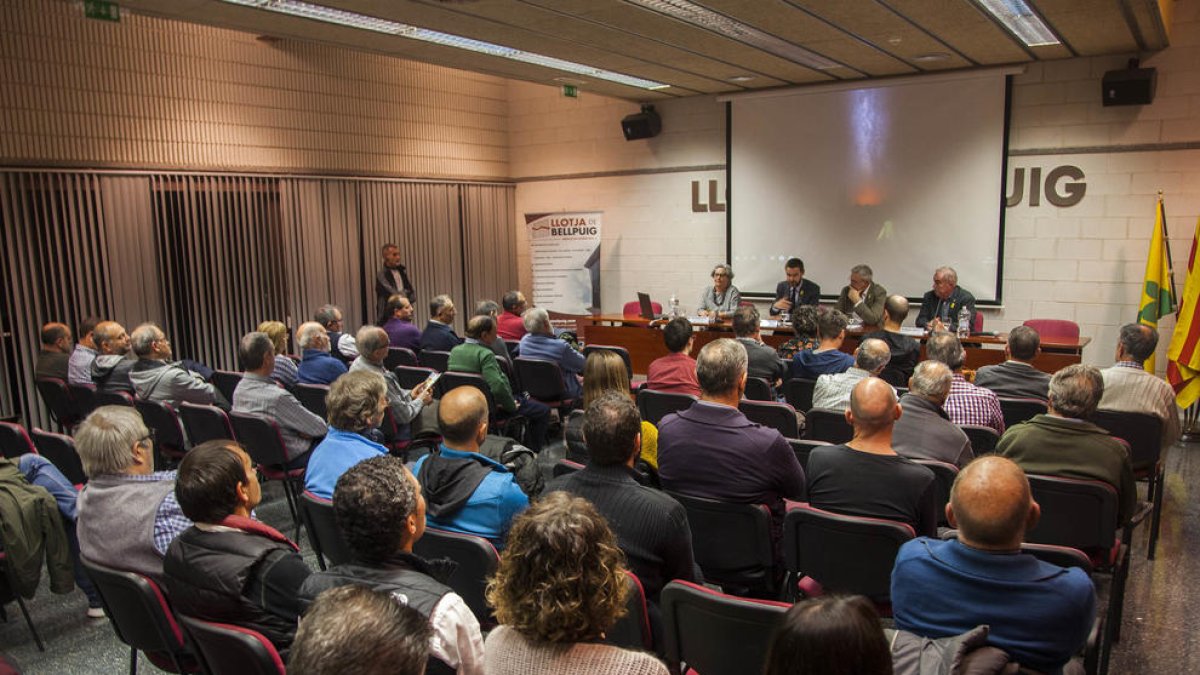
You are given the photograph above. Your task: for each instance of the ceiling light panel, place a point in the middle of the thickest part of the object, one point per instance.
(1020, 18)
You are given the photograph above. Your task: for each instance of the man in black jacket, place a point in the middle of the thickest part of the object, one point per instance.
(795, 290)
(391, 280)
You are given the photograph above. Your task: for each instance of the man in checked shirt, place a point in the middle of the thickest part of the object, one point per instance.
(967, 403)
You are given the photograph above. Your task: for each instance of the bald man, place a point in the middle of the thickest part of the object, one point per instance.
(866, 477)
(833, 389)
(1037, 612)
(466, 491)
(906, 351)
(55, 351)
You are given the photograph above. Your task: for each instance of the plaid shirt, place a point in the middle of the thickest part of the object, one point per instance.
(169, 521)
(969, 404)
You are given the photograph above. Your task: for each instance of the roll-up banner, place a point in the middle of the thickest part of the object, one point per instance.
(565, 253)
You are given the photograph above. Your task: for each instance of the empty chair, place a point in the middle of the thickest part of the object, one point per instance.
(204, 422)
(85, 398)
(803, 448)
(798, 392)
(833, 553)
(944, 473)
(60, 449)
(1051, 330)
(399, 356)
(543, 381)
(1143, 433)
(632, 630)
(620, 351)
(59, 402)
(161, 418)
(1017, 410)
(431, 358)
(263, 442)
(829, 425)
(655, 405)
(225, 648)
(226, 381)
(114, 398)
(758, 389)
(983, 439)
(778, 416)
(732, 544)
(323, 532)
(14, 442)
(312, 397)
(476, 558)
(715, 633)
(411, 376)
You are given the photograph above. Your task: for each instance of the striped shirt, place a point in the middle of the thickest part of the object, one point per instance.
(1129, 388)
(969, 404)
(258, 395)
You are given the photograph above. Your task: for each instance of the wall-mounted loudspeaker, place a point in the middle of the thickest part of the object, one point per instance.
(1132, 86)
(645, 124)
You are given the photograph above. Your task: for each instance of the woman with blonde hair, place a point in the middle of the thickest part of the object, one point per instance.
(605, 371)
(559, 587)
(286, 371)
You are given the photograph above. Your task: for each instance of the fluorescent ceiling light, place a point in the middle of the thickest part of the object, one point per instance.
(340, 17)
(702, 17)
(1019, 18)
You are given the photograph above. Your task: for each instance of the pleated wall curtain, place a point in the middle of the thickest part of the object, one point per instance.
(208, 257)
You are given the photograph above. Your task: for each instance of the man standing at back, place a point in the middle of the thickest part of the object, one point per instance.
(1017, 377)
(391, 280)
(1128, 387)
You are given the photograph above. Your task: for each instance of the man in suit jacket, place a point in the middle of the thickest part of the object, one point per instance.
(391, 280)
(1017, 377)
(940, 306)
(795, 290)
(439, 333)
(863, 296)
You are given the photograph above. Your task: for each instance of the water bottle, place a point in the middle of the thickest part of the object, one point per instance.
(674, 305)
(964, 323)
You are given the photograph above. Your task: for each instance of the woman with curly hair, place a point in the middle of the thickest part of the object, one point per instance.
(804, 330)
(605, 371)
(559, 586)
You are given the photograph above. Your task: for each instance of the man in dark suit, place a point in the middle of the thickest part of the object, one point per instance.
(940, 306)
(795, 290)
(391, 280)
(1017, 377)
(439, 333)
(863, 297)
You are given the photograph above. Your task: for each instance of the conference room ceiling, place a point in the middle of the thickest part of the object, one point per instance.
(863, 39)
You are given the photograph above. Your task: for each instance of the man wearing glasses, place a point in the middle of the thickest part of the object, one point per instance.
(156, 377)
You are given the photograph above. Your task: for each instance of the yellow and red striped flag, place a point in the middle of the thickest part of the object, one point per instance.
(1158, 290)
(1183, 367)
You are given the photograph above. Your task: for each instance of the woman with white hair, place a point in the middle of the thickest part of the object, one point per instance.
(721, 299)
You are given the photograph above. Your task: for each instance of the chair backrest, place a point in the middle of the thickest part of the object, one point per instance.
(411, 376)
(114, 398)
(1017, 410)
(453, 380)
(312, 397)
(655, 405)
(139, 610)
(803, 447)
(161, 417)
(620, 351)
(399, 356)
(778, 416)
(476, 558)
(758, 389)
(1050, 329)
(1063, 556)
(205, 422)
(1142, 431)
(732, 543)
(944, 473)
(798, 392)
(715, 633)
(977, 322)
(542, 379)
(432, 358)
(565, 466)
(226, 381)
(844, 554)
(226, 648)
(14, 442)
(983, 439)
(323, 531)
(632, 630)
(58, 400)
(1078, 513)
(85, 398)
(60, 450)
(261, 438)
(827, 424)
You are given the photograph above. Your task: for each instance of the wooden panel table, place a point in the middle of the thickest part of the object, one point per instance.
(643, 340)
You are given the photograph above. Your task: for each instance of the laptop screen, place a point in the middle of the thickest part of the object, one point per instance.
(647, 308)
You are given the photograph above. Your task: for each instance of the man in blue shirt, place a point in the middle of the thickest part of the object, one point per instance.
(317, 365)
(464, 490)
(539, 343)
(1039, 613)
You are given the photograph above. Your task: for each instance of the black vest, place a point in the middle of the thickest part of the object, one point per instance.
(407, 576)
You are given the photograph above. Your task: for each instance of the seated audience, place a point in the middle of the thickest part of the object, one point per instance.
(381, 514)
(489, 308)
(259, 394)
(355, 403)
(833, 389)
(317, 365)
(128, 513)
(675, 372)
(605, 372)
(341, 344)
(762, 359)
(439, 333)
(721, 299)
(651, 528)
(54, 354)
(79, 366)
(711, 450)
(560, 585)
(466, 491)
(473, 356)
(229, 567)
(828, 356)
(1039, 613)
(804, 334)
(407, 406)
(401, 330)
(1017, 377)
(906, 351)
(866, 477)
(539, 343)
(1063, 442)
(863, 297)
(940, 306)
(830, 634)
(286, 371)
(110, 370)
(925, 431)
(1128, 387)
(966, 403)
(510, 325)
(156, 377)
(336, 626)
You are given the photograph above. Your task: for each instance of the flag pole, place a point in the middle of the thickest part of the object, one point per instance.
(1167, 244)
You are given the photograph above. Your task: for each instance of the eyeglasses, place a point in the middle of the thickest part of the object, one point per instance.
(720, 274)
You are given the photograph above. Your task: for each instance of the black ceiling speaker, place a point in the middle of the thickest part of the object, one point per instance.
(645, 124)
(1132, 86)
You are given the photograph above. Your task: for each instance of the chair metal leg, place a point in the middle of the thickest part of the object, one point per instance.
(29, 621)
(289, 492)
(1156, 518)
(133, 659)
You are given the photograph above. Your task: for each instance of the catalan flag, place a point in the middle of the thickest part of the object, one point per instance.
(1183, 368)
(1158, 291)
